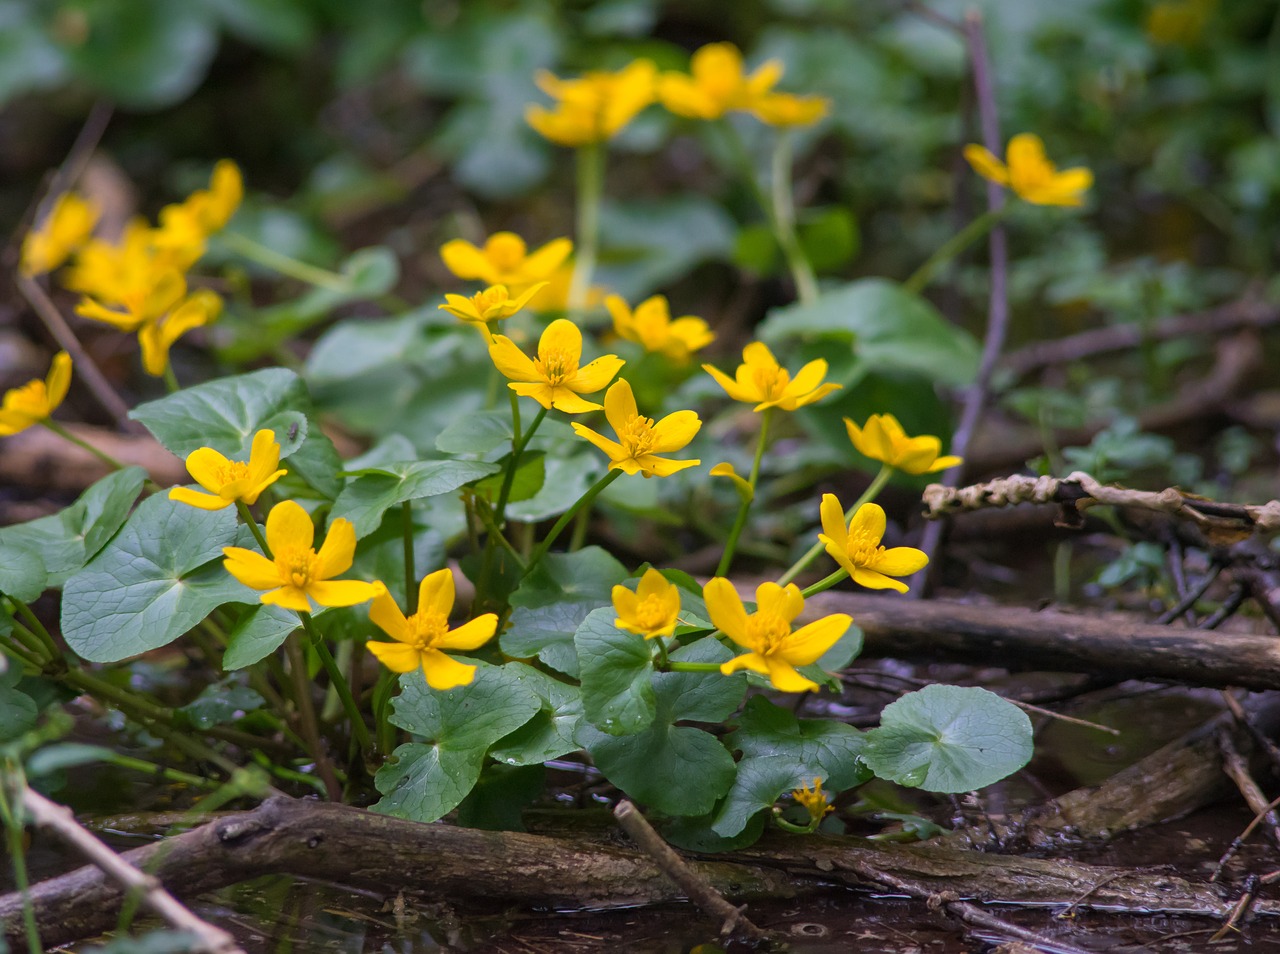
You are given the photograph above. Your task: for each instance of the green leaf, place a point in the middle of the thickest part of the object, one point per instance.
(219, 705)
(257, 634)
(949, 739)
(890, 330)
(550, 733)
(22, 572)
(829, 238)
(650, 244)
(29, 59)
(616, 670)
(64, 755)
(66, 541)
(424, 780)
(498, 801)
(584, 575)
(567, 480)
(476, 433)
(152, 583)
(18, 711)
(364, 500)
(546, 632)
(528, 479)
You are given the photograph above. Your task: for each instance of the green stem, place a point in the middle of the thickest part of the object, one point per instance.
(795, 829)
(663, 661)
(307, 720)
(168, 774)
(18, 854)
(21, 653)
(515, 418)
(949, 249)
(85, 445)
(252, 524)
(284, 264)
(495, 532)
(784, 221)
(410, 571)
(171, 380)
(339, 682)
(744, 508)
(590, 184)
(824, 584)
(868, 495)
(518, 445)
(37, 627)
(692, 667)
(565, 518)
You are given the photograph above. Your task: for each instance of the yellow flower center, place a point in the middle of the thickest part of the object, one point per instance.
(863, 548)
(426, 629)
(767, 632)
(297, 566)
(556, 365)
(651, 613)
(637, 436)
(233, 471)
(771, 381)
(491, 298)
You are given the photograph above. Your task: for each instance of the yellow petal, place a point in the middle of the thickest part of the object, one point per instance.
(620, 405)
(251, 568)
(562, 399)
(784, 678)
(868, 520)
(289, 526)
(465, 260)
(436, 592)
(675, 431)
(562, 335)
(596, 375)
(193, 498)
(511, 361)
(58, 380)
(472, 634)
(725, 608)
(443, 672)
(901, 561)
(873, 580)
(338, 551)
(784, 602)
(341, 592)
(288, 597)
(945, 463)
(612, 449)
(386, 615)
(547, 259)
(206, 466)
(395, 656)
(807, 644)
(541, 392)
(732, 387)
(832, 514)
(662, 466)
(752, 661)
(986, 165)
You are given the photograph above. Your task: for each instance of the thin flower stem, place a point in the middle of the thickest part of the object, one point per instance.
(307, 717)
(873, 489)
(252, 524)
(662, 661)
(793, 828)
(784, 221)
(515, 417)
(171, 380)
(339, 682)
(825, 583)
(541, 550)
(85, 445)
(495, 532)
(922, 276)
(410, 571)
(590, 190)
(21, 653)
(744, 508)
(13, 825)
(37, 627)
(517, 450)
(161, 771)
(284, 264)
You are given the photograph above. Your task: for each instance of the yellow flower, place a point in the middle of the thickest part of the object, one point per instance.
(125, 284)
(554, 379)
(776, 651)
(505, 260)
(594, 107)
(639, 438)
(420, 638)
(882, 438)
(717, 84)
(157, 336)
(857, 548)
(36, 400)
(761, 381)
(184, 226)
(652, 609)
(298, 574)
(813, 800)
(554, 299)
(746, 492)
(651, 326)
(67, 226)
(492, 304)
(1029, 173)
(230, 480)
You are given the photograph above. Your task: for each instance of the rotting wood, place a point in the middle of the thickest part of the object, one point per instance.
(1052, 641)
(375, 852)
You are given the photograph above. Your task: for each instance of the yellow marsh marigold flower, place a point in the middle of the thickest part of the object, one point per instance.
(554, 299)
(761, 381)
(157, 336)
(882, 438)
(651, 326)
(297, 574)
(717, 84)
(421, 638)
(639, 438)
(813, 800)
(857, 547)
(554, 379)
(185, 226)
(36, 400)
(67, 226)
(127, 284)
(594, 107)
(504, 259)
(1029, 173)
(230, 480)
(651, 609)
(492, 304)
(776, 651)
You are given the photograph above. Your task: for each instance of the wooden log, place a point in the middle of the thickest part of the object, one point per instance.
(1052, 641)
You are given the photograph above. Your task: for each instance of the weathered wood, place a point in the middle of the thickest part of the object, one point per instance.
(1050, 641)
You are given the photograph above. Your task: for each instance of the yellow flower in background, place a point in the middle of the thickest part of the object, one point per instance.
(1029, 173)
(882, 438)
(554, 299)
(420, 639)
(650, 325)
(761, 381)
(857, 547)
(36, 400)
(296, 573)
(651, 609)
(67, 226)
(1179, 21)
(594, 107)
(717, 84)
(775, 651)
(126, 284)
(554, 379)
(639, 438)
(157, 336)
(492, 304)
(186, 226)
(813, 800)
(746, 492)
(230, 480)
(505, 259)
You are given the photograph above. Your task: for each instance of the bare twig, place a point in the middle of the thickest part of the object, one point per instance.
(62, 822)
(1190, 596)
(1228, 608)
(1241, 908)
(696, 886)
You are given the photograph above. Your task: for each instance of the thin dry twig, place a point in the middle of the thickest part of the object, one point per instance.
(61, 821)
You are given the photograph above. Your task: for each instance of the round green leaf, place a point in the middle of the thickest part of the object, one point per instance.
(257, 634)
(22, 572)
(550, 733)
(616, 670)
(364, 500)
